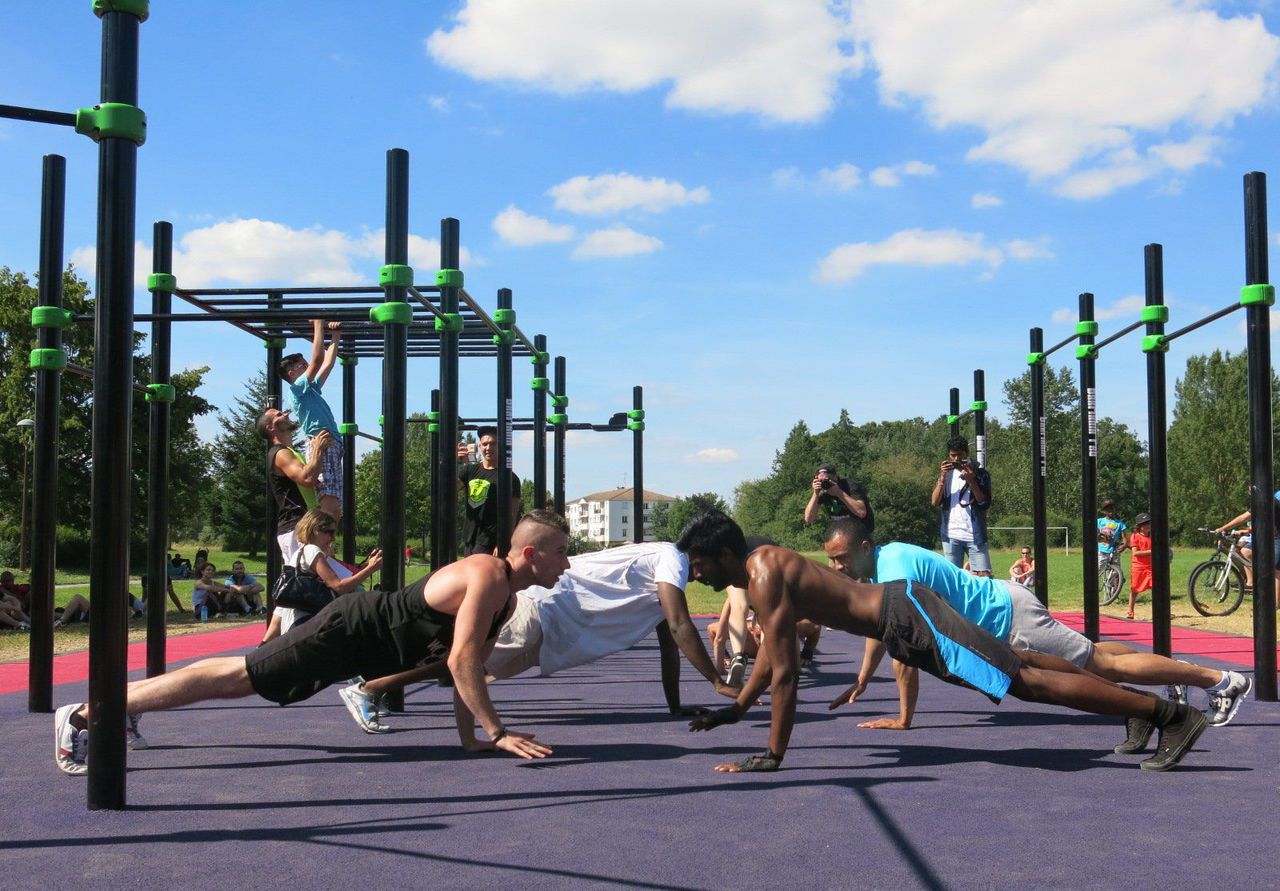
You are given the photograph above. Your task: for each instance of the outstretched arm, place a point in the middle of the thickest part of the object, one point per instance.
(331, 354)
(685, 636)
(317, 350)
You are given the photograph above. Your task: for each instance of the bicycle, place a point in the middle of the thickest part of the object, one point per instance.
(1216, 587)
(1110, 578)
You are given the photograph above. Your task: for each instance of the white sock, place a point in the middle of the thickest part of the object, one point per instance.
(1222, 684)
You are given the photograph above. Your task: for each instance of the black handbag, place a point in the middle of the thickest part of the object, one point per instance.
(301, 589)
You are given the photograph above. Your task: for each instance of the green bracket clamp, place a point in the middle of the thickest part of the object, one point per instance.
(504, 338)
(1258, 295)
(395, 275)
(637, 426)
(636, 414)
(559, 401)
(540, 358)
(433, 428)
(348, 429)
(160, 393)
(1035, 358)
(112, 120)
(1155, 343)
(380, 420)
(140, 8)
(1086, 351)
(162, 281)
(433, 416)
(397, 312)
(1087, 329)
(558, 419)
(51, 317)
(1155, 314)
(274, 343)
(349, 360)
(451, 321)
(540, 383)
(953, 419)
(978, 405)
(504, 316)
(449, 278)
(48, 359)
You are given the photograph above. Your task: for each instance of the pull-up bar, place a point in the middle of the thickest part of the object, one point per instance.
(37, 115)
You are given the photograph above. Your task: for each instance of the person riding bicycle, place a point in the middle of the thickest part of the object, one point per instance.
(1111, 530)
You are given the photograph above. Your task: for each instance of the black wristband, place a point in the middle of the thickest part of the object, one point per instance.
(500, 734)
(770, 753)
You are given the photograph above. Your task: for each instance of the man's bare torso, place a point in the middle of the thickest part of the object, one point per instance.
(817, 592)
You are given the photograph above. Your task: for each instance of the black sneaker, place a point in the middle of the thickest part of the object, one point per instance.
(1176, 739)
(1139, 732)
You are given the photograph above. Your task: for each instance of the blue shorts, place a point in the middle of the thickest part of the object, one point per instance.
(921, 629)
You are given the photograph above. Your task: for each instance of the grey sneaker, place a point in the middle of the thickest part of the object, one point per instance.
(1176, 739)
(1223, 706)
(132, 738)
(737, 671)
(1176, 693)
(70, 746)
(360, 705)
(1139, 732)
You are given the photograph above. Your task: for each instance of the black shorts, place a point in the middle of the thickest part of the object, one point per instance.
(922, 630)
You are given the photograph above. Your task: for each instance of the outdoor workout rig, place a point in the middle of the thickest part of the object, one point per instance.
(977, 410)
(1256, 298)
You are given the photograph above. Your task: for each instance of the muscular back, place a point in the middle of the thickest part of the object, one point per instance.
(816, 592)
(484, 574)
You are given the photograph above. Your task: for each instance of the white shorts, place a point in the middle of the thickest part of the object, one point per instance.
(519, 642)
(1031, 627)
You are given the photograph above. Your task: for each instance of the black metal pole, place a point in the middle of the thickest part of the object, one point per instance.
(112, 416)
(1158, 459)
(540, 422)
(636, 423)
(980, 417)
(557, 439)
(44, 469)
(449, 254)
(158, 456)
(953, 413)
(275, 391)
(349, 458)
(439, 515)
(1261, 444)
(1088, 329)
(504, 493)
(1039, 466)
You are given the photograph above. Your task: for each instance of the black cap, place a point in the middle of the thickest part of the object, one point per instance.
(1141, 518)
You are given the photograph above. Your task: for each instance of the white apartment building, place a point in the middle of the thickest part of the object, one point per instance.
(606, 517)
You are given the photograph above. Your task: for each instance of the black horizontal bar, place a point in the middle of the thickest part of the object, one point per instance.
(1119, 334)
(37, 115)
(1057, 346)
(245, 315)
(1212, 317)
(261, 302)
(237, 292)
(87, 374)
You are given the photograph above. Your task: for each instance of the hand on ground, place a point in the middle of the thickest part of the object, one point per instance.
(522, 745)
(886, 724)
(727, 715)
(751, 764)
(849, 696)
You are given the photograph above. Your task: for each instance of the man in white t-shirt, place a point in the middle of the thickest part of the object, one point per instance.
(963, 495)
(606, 602)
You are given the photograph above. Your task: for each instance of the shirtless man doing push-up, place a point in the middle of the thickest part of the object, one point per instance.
(918, 629)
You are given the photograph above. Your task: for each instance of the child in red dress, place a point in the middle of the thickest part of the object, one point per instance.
(1140, 562)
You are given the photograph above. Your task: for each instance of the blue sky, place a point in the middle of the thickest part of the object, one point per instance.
(762, 212)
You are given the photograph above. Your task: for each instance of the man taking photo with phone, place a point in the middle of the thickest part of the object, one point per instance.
(962, 495)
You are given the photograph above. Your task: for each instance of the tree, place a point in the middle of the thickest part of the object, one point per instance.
(670, 517)
(903, 484)
(240, 502)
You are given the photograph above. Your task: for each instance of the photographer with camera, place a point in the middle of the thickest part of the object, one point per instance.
(963, 495)
(838, 498)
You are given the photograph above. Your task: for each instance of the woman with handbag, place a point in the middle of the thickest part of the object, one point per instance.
(315, 577)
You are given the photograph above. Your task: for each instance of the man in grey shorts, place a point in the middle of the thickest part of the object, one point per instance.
(1013, 614)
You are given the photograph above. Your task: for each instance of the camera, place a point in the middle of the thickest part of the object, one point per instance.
(959, 465)
(825, 483)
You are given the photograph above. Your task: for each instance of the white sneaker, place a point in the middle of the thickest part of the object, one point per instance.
(70, 746)
(361, 707)
(1224, 705)
(737, 671)
(132, 738)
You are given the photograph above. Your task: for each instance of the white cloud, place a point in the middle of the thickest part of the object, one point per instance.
(983, 200)
(712, 456)
(1073, 92)
(438, 103)
(887, 177)
(514, 226)
(616, 241)
(262, 252)
(911, 247)
(1127, 308)
(1022, 249)
(781, 61)
(841, 178)
(788, 178)
(616, 192)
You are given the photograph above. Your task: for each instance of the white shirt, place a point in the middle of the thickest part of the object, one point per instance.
(959, 524)
(605, 602)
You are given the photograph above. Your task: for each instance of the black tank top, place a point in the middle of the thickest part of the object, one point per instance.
(290, 505)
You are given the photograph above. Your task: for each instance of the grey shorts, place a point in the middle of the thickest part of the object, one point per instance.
(519, 642)
(1031, 627)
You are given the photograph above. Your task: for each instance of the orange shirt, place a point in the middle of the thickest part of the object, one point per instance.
(1140, 542)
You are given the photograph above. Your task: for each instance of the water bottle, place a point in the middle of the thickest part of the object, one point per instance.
(204, 612)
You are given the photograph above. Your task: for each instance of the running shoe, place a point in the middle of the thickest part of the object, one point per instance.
(1176, 739)
(70, 746)
(806, 659)
(1176, 693)
(737, 671)
(1224, 705)
(1139, 732)
(132, 738)
(361, 707)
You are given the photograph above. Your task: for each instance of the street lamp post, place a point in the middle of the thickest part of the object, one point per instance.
(25, 426)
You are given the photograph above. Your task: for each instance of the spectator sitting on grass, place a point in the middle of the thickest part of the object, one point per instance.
(76, 610)
(11, 614)
(206, 593)
(197, 568)
(179, 567)
(246, 586)
(1024, 570)
(10, 588)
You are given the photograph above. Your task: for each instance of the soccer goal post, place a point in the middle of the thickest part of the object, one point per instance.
(1066, 533)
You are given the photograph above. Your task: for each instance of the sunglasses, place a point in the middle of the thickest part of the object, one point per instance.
(328, 530)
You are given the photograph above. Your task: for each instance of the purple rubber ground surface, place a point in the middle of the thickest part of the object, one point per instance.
(250, 795)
